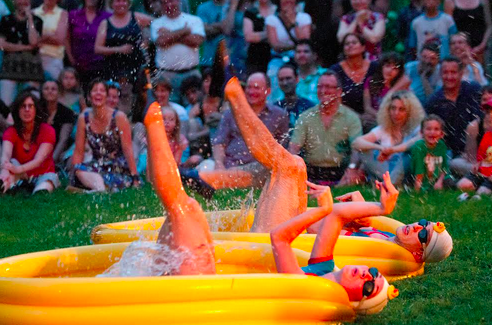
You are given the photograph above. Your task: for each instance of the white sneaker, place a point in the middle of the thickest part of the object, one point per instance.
(463, 197)
(476, 197)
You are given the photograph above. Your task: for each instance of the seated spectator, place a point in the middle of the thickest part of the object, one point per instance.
(309, 71)
(27, 149)
(114, 93)
(353, 71)
(461, 48)
(388, 77)
(457, 103)
(398, 129)
(474, 134)
(293, 104)
(424, 74)
(325, 133)
(177, 140)
(433, 26)
(4, 114)
(51, 47)
(69, 90)
(62, 119)
(191, 91)
(366, 23)
(254, 30)
(284, 29)
(108, 134)
(19, 35)
(430, 168)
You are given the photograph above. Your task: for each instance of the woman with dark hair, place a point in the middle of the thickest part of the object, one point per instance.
(388, 77)
(108, 133)
(353, 71)
(61, 118)
(28, 147)
(82, 31)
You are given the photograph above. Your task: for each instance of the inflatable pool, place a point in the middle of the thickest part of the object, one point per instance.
(58, 287)
(392, 260)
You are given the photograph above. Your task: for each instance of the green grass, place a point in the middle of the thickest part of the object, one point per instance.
(456, 291)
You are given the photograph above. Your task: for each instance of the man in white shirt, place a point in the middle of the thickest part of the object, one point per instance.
(178, 37)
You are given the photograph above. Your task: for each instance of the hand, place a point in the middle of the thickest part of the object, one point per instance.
(382, 156)
(389, 194)
(7, 180)
(438, 185)
(125, 49)
(322, 194)
(351, 197)
(362, 16)
(352, 177)
(13, 168)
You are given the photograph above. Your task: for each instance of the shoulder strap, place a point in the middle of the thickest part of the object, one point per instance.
(292, 38)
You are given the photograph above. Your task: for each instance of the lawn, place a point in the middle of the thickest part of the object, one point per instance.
(456, 291)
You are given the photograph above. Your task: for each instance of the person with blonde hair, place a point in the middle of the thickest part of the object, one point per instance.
(384, 147)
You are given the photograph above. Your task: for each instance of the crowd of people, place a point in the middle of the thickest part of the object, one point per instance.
(352, 91)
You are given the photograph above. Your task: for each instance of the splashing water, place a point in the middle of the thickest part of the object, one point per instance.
(147, 259)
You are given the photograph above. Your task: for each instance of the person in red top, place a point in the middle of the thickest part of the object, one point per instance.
(27, 148)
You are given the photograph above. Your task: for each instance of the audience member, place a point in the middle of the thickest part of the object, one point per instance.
(384, 148)
(366, 23)
(424, 73)
(119, 39)
(233, 31)
(177, 140)
(27, 149)
(20, 33)
(191, 91)
(61, 118)
(114, 93)
(325, 133)
(69, 89)
(353, 71)
(460, 47)
(404, 21)
(457, 103)
(82, 31)
(433, 26)
(108, 133)
(54, 35)
(292, 103)
(254, 30)
(309, 70)
(387, 78)
(284, 29)
(213, 14)
(430, 167)
(178, 37)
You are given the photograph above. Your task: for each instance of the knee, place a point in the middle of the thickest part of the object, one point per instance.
(484, 190)
(465, 184)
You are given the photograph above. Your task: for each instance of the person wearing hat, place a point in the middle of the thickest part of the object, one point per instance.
(367, 289)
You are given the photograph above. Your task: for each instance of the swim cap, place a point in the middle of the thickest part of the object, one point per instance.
(375, 304)
(440, 245)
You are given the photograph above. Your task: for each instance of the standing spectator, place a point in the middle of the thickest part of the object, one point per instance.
(19, 35)
(433, 26)
(284, 29)
(4, 11)
(366, 23)
(325, 132)
(457, 103)
(233, 30)
(309, 70)
(388, 77)
(398, 129)
(255, 33)
(82, 31)
(473, 18)
(405, 17)
(119, 39)
(27, 149)
(61, 118)
(424, 73)
(55, 26)
(292, 103)
(460, 48)
(213, 14)
(178, 37)
(353, 71)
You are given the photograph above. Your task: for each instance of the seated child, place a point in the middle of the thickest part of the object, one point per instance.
(429, 160)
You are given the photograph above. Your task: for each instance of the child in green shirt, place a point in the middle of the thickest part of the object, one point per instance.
(429, 160)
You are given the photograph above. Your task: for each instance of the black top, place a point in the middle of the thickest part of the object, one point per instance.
(353, 94)
(258, 53)
(472, 22)
(457, 115)
(63, 115)
(16, 31)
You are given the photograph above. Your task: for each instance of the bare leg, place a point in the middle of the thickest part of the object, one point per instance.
(48, 186)
(220, 179)
(94, 181)
(186, 220)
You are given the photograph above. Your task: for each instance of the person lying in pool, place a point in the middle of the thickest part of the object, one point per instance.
(367, 289)
(186, 226)
(427, 241)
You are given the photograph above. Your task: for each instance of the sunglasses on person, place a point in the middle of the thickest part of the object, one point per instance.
(368, 287)
(423, 234)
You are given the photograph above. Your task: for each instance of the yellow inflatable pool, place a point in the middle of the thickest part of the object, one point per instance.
(392, 260)
(58, 287)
